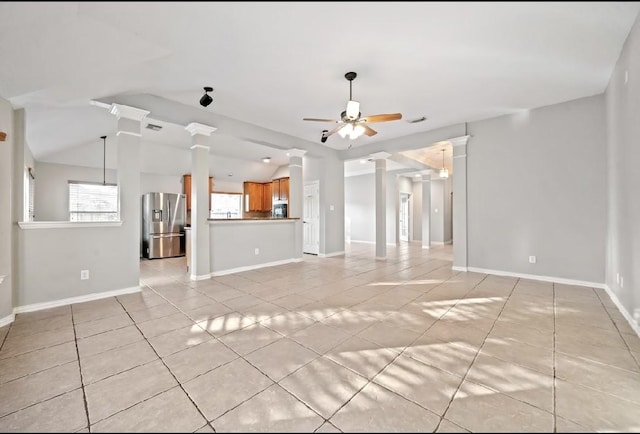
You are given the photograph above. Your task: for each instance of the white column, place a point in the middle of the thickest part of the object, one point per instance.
(381, 203)
(128, 175)
(460, 202)
(296, 195)
(426, 209)
(200, 248)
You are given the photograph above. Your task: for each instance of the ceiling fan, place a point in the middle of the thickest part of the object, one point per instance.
(351, 124)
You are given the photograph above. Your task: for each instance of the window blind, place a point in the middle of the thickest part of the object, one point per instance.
(92, 202)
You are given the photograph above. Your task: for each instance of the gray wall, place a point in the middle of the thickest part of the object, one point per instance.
(623, 156)
(274, 239)
(51, 259)
(6, 209)
(537, 186)
(360, 207)
(52, 192)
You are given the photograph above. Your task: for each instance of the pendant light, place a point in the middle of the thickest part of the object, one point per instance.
(104, 159)
(444, 173)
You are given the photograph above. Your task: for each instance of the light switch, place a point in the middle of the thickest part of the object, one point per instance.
(331, 207)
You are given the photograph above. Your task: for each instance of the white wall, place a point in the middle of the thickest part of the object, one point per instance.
(227, 186)
(404, 186)
(6, 210)
(436, 225)
(623, 156)
(281, 172)
(447, 211)
(360, 207)
(416, 215)
(537, 186)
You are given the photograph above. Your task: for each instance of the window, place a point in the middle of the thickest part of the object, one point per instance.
(226, 205)
(93, 202)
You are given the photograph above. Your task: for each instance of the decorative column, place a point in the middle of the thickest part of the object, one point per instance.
(460, 202)
(296, 194)
(200, 249)
(381, 203)
(426, 208)
(128, 175)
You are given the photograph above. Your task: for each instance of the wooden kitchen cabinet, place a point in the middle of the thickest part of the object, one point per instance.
(257, 196)
(186, 188)
(280, 190)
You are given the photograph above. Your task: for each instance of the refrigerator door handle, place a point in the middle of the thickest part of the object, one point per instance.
(167, 235)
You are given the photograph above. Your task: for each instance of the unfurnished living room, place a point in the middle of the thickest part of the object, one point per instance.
(319, 217)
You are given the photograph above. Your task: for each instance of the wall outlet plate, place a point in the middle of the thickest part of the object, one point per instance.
(532, 259)
(257, 251)
(84, 274)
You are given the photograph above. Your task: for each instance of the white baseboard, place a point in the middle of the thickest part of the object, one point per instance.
(328, 255)
(254, 267)
(537, 277)
(456, 268)
(370, 242)
(200, 277)
(7, 320)
(633, 323)
(437, 243)
(72, 300)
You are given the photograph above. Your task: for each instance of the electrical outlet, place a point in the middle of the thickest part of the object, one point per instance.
(618, 278)
(257, 251)
(621, 282)
(532, 259)
(84, 274)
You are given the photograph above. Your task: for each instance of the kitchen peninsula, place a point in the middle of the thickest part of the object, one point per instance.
(248, 243)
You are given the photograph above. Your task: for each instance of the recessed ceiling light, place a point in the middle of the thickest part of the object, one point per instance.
(266, 159)
(363, 161)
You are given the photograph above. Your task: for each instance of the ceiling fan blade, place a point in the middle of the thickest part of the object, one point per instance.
(368, 130)
(320, 120)
(381, 118)
(335, 130)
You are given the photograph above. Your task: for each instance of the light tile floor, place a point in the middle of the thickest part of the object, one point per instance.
(326, 345)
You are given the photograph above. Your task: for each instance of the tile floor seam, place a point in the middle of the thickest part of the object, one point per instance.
(618, 330)
(37, 349)
(466, 374)
(555, 378)
(40, 402)
(84, 394)
(179, 384)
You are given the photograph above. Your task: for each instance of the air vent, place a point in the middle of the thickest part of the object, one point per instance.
(415, 121)
(154, 127)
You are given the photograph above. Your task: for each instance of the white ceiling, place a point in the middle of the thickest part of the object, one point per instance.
(272, 64)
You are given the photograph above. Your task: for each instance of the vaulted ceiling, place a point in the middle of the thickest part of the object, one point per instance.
(271, 64)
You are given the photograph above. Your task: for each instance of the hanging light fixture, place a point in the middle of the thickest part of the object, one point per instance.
(104, 159)
(444, 173)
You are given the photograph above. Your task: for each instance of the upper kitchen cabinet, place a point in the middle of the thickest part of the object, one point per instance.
(280, 190)
(257, 196)
(186, 186)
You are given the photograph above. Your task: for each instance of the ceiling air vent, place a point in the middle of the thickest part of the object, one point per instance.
(415, 121)
(154, 127)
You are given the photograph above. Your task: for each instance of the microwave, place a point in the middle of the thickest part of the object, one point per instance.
(279, 211)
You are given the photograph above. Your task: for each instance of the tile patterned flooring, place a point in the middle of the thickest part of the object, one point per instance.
(326, 345)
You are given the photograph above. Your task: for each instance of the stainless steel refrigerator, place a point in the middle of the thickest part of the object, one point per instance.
(163, 220)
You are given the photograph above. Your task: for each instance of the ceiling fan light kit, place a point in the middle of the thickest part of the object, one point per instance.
(351, 124)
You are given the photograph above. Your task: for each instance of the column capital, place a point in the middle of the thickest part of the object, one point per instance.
(296, 152)
(124, 111)
(380, 155)
(459, 141)
(196, 128)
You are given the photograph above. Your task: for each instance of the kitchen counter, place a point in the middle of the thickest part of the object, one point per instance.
(254, 219)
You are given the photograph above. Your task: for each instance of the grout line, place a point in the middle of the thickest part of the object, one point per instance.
(169, 370)
(464, 377)
(553, 360)
(5, 337)
(84, 393)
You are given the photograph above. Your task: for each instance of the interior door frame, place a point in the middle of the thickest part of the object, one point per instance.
(315, 183)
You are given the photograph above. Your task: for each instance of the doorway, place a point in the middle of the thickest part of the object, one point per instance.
(311, 218)
(405, 216)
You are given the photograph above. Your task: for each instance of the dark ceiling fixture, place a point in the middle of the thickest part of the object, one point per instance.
(206, 98)
(351, 124)
(417, 120)
(104, 159)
